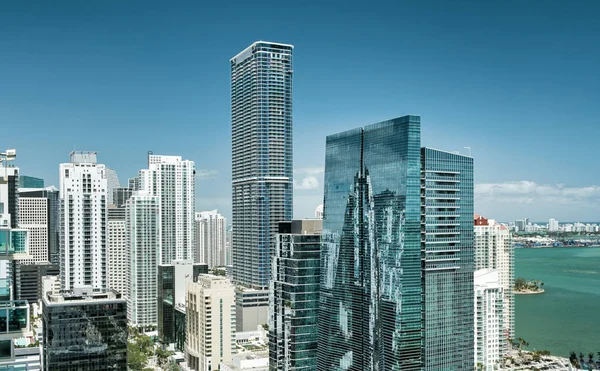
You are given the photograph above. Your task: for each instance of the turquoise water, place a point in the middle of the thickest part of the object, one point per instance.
(567, 316)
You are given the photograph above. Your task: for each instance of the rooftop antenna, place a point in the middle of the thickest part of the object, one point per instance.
(469, 149)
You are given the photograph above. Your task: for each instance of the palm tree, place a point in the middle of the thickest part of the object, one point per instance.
(573, 357)
(591, 357)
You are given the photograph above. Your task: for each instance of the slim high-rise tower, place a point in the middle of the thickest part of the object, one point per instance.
(84, 202)
(370, 312)
(294, 296)
(494, 250)
(447, 244)
(173, 181)
(261, 128)
(210, 238)
(143, 221)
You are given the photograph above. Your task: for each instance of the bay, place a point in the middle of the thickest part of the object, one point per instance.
(566, 317)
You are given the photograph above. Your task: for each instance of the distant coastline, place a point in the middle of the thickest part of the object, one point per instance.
(517, 246)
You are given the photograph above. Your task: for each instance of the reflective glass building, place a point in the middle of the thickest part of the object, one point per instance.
(294, 296)
(447, 242)
(262, 170)
(84, 331)
(370, 310)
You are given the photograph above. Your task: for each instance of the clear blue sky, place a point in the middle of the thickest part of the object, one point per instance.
(518, 81)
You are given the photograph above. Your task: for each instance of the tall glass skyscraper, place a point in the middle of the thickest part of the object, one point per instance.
(370, 311)
(294, 296)
(447, 243)
(261, 130)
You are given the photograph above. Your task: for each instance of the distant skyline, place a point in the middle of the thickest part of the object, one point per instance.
(515, 81)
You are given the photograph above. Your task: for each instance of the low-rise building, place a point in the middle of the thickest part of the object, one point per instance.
(248, 361)
(84, 330)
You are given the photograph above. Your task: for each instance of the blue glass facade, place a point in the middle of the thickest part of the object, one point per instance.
(262, 169)
(294, 297)
(447, 241)
(370, 305)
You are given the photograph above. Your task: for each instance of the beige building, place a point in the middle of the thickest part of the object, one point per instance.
(210, 317)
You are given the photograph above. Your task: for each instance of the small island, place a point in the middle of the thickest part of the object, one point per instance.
(524, 287)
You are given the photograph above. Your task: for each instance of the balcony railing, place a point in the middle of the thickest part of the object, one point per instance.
(14, 244)
(14, 318)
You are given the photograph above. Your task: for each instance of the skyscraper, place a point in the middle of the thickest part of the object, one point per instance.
(118, 250)
(319, 212)
(210, 315)
(447, 243)
(294, 296)
(262, 168)
(552, 225)
(489, 340)
(173, 181)
(210, 238)
(171, 298)
(370, 312)
(84, 202)
(112, 180)
(143, 218)
(39, 212)
(494, 250)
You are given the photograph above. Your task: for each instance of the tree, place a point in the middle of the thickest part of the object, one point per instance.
(136, 358)
(520, 283)
(145, 344)
(591, 357)
(172, 366)
(162, 356)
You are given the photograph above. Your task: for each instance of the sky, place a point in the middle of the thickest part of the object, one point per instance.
(517, 81)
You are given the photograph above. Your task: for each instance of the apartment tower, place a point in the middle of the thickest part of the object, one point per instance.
(173, 181)
(494, 250)
(143, 220)
(84, 203)
(210, 238)
(210, 316)
(294, 296)
(262, 169)
(447, 245)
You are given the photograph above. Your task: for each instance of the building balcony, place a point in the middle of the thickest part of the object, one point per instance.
(14, 319)
(14, 244)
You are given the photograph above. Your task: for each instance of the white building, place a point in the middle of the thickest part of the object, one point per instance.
(210, 317)
(84, 202)
(494, 250)
(173, 181)
(489, 339)
(210, 238)
(552, 225)
(118, 250)
(249, 361)
(319, 212)
(144, 236)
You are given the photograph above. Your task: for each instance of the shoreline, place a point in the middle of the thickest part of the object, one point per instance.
(529, 292)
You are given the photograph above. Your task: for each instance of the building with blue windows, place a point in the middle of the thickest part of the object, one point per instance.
(447, 243)
(294, 296)
(370, 311)
(262, 168)
(396, 289)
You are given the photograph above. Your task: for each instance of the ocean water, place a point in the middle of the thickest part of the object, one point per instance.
(567, 316)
